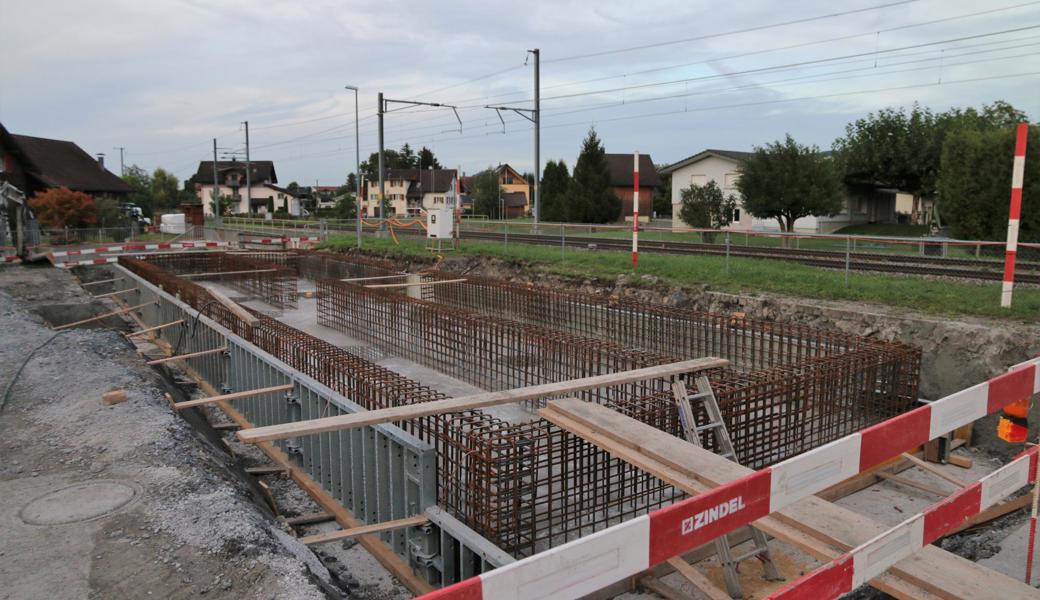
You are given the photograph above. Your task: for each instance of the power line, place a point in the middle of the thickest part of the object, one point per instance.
(729, 33)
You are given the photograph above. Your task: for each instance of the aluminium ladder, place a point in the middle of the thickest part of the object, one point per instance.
(715, 426)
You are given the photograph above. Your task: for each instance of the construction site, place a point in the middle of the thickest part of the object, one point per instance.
(413, 428)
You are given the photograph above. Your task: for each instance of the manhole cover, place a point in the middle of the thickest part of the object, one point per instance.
(80, 502)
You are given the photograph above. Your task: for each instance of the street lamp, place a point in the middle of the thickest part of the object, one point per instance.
(357, 163)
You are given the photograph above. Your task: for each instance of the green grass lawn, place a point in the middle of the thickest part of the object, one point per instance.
(916, 293)
(884, 229)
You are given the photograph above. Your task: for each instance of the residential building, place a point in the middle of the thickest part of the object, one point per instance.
(409, 192)
(262, 197)
(34, 164)
(621, 169)
(862, 205)
(514, 185)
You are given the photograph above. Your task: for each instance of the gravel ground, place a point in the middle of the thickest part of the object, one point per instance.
(194, 526)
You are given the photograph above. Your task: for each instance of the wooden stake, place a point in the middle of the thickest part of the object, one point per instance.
(101, 281)
(159, 361)
(156, 328)
(231, 396)
(355, 531)
(110, 294)
(102, 316)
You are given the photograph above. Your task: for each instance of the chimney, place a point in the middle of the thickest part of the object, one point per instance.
(101, 161)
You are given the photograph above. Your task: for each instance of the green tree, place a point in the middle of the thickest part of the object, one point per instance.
(663, 196)
(428, 159)
(486, 192)
(787, 181)
(352, 182)
(141, 182)
(590, 199)
(553, 193)
(706, 207)
(165, 189)
(975, 184)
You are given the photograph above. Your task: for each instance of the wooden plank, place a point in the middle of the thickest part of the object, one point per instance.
(464, 403)
(697, 579)
(415, 283)
(930, 573)
(375, 546)
(662, 589)
(111, 294)
(244, 315)
(102, 316)
(332, 536)
(310, 519)
(265, 470)
(351, 279)
(915, 484)
(964, 462)
(151, 329)
(159, 361)
(231, 396)
(218, 273)
(935, 470)
(866, 478)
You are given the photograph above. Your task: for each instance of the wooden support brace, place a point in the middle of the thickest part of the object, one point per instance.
(464, 403)
(266, 470)
(82, 283)
(414, 283)
(159, 361)
(352, 279)
(156, 328)
(914, 484)
(243, 314)
(927, 466)
(310, 519)
(697, 579)
(110, 294)
(364, 529)
(102, 316)
(231, 396)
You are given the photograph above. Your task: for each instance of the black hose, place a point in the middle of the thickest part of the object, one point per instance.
(10, 384)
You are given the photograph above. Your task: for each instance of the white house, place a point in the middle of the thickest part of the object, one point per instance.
(409, 192)
(721, 166)
(263, 196)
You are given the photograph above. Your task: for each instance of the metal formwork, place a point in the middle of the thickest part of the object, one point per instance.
(379, 473)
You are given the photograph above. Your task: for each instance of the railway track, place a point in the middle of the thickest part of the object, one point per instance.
(962, 268)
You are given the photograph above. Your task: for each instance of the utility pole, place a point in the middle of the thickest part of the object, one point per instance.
(534, 116)
(214, 194)
(122, 168)
(382, 176)
(357, 160)
(537, 134)
(249, 174)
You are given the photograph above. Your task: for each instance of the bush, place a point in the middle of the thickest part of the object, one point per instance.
(62, 207)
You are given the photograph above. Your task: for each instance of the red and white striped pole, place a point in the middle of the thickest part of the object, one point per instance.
(635, 209)
(1017, 175)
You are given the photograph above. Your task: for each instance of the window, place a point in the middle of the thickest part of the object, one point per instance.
(730, 180)
(698, 180)
(736, 215)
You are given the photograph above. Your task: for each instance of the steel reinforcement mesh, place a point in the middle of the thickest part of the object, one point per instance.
(274, 283)
(526, 487)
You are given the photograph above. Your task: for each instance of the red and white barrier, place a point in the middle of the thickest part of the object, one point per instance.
(68, 264)
(137, 248)
(1014, 214)
(595, 561)
(863, 563)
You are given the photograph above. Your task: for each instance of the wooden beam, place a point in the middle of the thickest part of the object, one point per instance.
(156, 328)
(662, 589)
(84, 283)
(464, 403)
(226, 397)
(309, 519)
(243, 314)
(265, 470)
(159, 361)
(375, 546)
(217, 273)
(332, 536)
(915, 484)
(697, 579)
(110, 294)
(995, 512)
(102, 316)
(352, 279)
(415, 283)
(934, 470)
(929, 573)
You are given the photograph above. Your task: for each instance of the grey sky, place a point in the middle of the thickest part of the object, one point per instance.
(164, 77)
